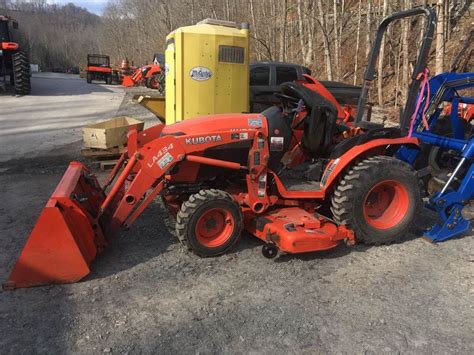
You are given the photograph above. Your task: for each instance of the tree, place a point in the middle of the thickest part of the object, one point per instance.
(439, 67)
(324, 29)
(381, 60)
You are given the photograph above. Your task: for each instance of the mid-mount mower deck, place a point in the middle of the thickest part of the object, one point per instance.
(299, 178)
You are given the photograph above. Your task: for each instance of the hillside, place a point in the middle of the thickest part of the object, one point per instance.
(332, 38)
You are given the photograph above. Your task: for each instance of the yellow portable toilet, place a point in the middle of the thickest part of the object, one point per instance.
(207, 70)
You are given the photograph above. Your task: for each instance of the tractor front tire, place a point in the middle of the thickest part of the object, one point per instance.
(379, 199)
(21, 73)
(156, 82)
(209, 223)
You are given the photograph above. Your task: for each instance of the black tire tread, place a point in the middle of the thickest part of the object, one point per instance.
(21, 73)
(355, 180)
(189, 207)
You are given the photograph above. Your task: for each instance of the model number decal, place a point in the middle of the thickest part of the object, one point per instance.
(162, 152)
(165, 160)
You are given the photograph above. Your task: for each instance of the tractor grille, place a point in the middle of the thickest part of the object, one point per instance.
(231, 54)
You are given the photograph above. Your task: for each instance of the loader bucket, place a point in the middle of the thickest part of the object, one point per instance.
(65, 239)
(128, 81)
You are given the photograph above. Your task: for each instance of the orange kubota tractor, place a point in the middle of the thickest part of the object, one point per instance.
(13, 61)
(152, 76)
(297, 177)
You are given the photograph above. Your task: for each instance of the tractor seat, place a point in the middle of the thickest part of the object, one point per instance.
(320, 124)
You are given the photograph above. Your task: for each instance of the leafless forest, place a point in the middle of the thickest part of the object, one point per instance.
(332, 38)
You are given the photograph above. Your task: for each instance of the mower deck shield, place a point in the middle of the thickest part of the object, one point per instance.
(294, 230)
(65, 239)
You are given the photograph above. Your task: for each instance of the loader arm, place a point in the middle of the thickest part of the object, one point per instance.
(144, 175)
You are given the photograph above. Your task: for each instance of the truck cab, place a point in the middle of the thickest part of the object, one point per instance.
(266, 78)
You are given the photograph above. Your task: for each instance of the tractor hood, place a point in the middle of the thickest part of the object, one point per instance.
(216, 123)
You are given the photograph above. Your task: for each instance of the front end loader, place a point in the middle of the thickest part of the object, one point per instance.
(152, 76)
(298, 177)
(14, 62)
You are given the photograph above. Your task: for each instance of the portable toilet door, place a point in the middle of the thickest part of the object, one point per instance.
(207, 70)
(170, 79)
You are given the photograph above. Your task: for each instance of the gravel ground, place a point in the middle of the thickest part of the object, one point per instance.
(146, 294)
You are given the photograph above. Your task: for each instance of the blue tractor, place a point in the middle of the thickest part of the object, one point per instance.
(443, 122)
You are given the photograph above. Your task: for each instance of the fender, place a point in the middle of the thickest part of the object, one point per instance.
(155, 68)
(336, 166)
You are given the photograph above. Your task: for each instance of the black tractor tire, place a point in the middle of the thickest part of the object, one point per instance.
(209, 223)
(89, 78)
(379, 199)
(116, 78)
(21, 73)
(157, 82)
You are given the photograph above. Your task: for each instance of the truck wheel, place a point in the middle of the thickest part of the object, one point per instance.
(209, 223)
(21, 73)
(89, 78)
(378, 199)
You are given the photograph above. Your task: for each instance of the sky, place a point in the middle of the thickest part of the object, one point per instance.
(94, 6)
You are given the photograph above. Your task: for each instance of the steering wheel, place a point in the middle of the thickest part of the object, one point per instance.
(289, 103)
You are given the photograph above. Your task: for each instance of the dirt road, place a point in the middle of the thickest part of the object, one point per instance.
(54, 114)
(146, 294)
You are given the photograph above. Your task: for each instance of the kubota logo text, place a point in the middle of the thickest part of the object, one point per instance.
(202, 140)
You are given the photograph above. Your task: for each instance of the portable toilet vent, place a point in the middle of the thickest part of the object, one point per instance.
(207, 70)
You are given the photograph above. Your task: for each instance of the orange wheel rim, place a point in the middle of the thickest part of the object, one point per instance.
(214, 227)
(153, 83)
(386, 204)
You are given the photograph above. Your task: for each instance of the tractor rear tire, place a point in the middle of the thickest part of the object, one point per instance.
(21, 73)
(209, 223)
(379, 199)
